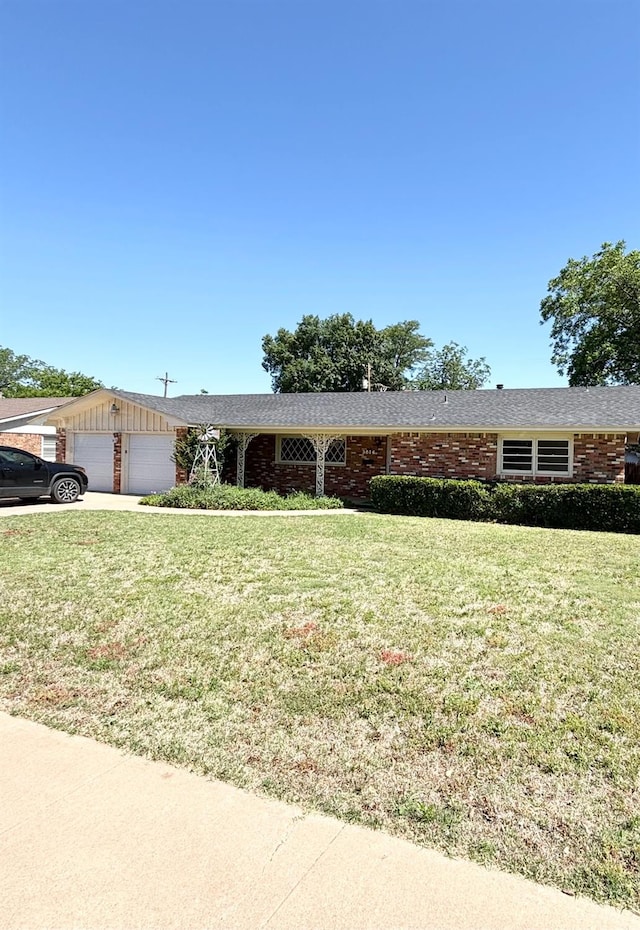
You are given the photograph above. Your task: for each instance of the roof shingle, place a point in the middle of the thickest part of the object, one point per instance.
(600, 408)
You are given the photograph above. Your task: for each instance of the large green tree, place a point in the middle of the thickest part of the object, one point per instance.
(449, 369)
(22, 376)
(341, 354)
(594, 306)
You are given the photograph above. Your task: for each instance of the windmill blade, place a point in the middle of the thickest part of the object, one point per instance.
(208, 433)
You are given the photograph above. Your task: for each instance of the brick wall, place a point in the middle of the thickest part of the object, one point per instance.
(444, 455)
(181, 473)
(29, 442)
(61, 445)
(261, 470)
(117, 463)
(597, 458)
(365, 457)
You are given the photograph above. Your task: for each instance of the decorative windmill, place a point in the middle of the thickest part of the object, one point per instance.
(205, 462)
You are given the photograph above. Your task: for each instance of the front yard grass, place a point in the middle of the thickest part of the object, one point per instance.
(473, 687)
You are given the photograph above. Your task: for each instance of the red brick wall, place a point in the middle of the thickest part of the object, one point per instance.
(261, 470)
(444, 455)
(29, 442)
(181, 473)
(366, 457)
(61, 445)
(598, 458)
(117, 463)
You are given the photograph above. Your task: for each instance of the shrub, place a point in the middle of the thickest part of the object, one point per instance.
(606, 507)
(185, 448)
(613, 508)
(431, 497)
(229, 497)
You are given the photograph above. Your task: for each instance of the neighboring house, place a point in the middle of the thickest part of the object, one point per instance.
(335, 443)
(17, 426)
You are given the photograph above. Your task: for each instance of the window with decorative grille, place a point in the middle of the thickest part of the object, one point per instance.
(299, 450)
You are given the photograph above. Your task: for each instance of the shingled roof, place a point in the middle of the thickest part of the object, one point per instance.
(18, 412)
(578, 409)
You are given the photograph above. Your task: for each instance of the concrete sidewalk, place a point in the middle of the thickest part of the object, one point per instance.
(97, 500)
(91, 838)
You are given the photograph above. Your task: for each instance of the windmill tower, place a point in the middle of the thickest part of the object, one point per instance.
(205, 462)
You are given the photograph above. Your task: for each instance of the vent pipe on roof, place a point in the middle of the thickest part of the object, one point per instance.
(499, 386)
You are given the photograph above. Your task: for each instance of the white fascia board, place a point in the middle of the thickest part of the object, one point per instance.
(31, 429)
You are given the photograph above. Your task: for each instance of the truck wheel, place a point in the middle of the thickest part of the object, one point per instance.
(65, 491)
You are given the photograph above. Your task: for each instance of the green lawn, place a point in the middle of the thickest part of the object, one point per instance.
(473, 687)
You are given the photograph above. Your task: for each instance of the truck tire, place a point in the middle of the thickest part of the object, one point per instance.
(66, 490)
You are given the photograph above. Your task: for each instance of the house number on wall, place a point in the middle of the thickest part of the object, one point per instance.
(368, 451)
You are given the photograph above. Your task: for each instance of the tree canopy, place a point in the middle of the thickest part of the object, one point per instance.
(22, 376)
(337, 354)
(343, 354)
(594, 306)
(448, 369)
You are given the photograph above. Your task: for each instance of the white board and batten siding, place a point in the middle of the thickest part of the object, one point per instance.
(130, 418)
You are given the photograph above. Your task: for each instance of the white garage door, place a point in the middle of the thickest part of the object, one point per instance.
(150, 465)
(95, 453)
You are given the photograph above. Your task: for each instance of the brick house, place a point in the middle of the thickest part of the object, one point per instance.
(335, 443)
(18, 427)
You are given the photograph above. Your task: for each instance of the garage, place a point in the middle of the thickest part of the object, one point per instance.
(150, 465)
(94, 452)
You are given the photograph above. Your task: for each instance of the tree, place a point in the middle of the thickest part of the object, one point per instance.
(21, 376)
(14, 370)
(594, 304)
(448, 369)
(336, 354)
(404, 347)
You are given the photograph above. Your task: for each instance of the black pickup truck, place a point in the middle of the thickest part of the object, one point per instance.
(26, 476)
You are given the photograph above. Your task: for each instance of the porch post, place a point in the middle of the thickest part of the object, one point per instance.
(243, 441)
(320, 442)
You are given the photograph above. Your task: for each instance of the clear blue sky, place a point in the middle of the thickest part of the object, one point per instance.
(178, 179)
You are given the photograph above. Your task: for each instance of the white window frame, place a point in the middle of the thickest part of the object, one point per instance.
(48, 439)
(328, 464)
(535, 471)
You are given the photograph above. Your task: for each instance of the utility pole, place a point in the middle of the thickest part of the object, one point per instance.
(369, 377)
(166, 381)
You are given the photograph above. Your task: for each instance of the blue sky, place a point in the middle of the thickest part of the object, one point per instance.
(178, 179)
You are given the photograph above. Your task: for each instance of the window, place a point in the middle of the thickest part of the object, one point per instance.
(49, 448)
(17, 459)
(535, 457)
(299, 450)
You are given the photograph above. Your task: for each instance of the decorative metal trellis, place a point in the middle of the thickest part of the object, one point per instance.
(205, 461)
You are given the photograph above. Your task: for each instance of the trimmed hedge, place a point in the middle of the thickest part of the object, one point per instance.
(610, 508)
(229, 497)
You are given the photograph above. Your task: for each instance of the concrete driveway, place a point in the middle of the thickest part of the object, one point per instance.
(96, 500)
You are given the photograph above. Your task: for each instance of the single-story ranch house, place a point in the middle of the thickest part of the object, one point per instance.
(335, 443)
(17, 428)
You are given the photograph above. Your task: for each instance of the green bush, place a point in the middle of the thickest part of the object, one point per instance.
(186, 447)
(431, 497)
(613, 508)
(229, 497)
(609, 507)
